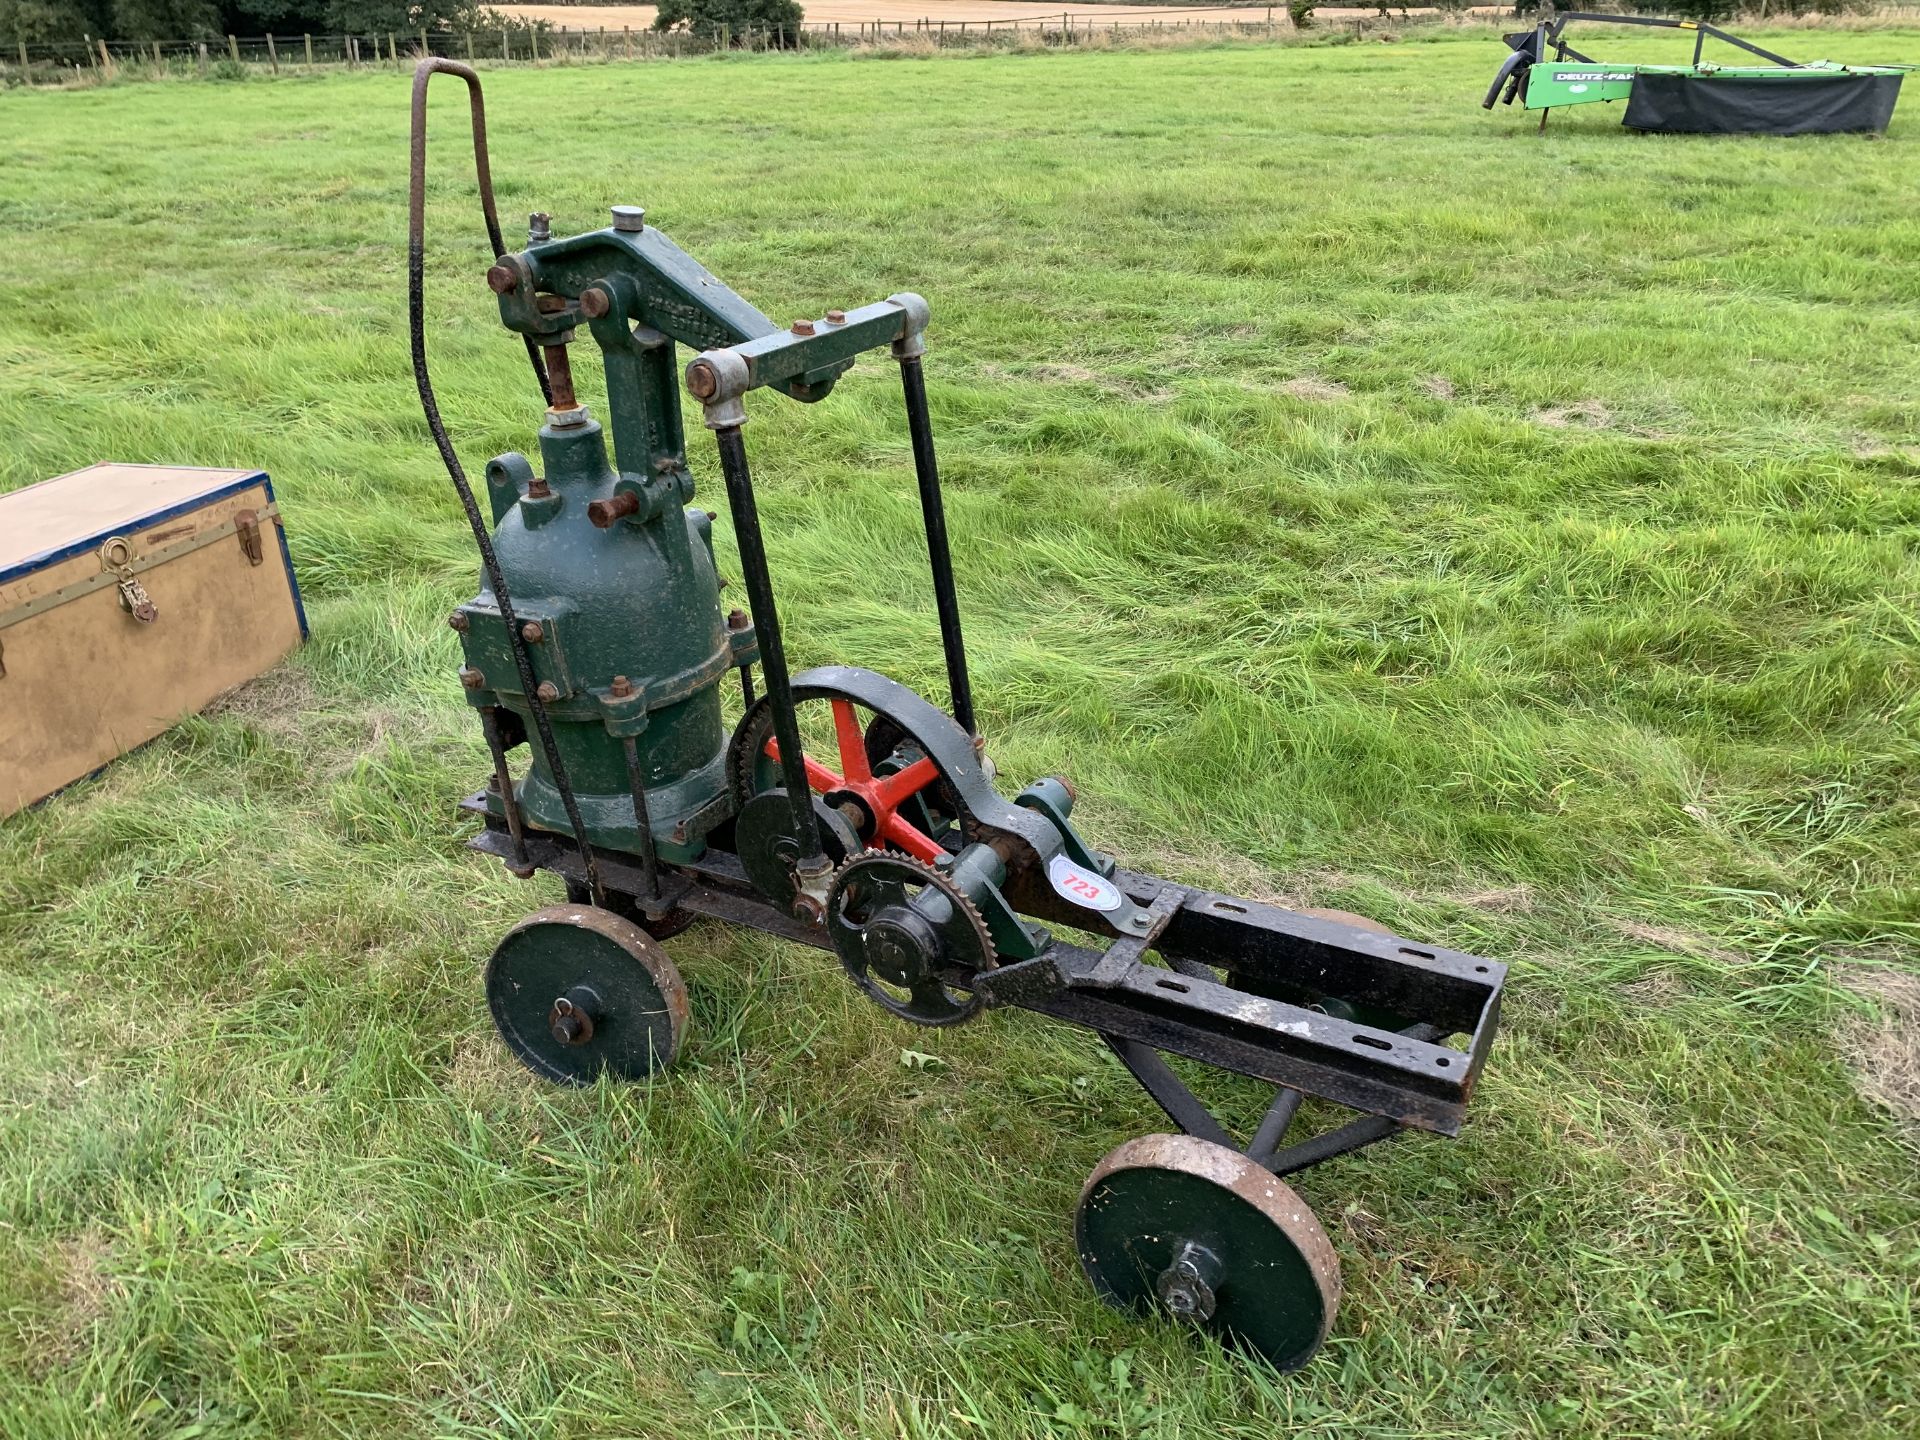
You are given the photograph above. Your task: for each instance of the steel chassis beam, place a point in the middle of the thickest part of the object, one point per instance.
(1145, 1012)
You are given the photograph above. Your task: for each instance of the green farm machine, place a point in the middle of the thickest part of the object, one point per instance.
(845, 812)
(1765, 94)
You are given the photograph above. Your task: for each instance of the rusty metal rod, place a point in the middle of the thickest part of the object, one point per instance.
(416, 334)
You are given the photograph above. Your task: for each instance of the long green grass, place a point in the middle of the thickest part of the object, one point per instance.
(1367, 502)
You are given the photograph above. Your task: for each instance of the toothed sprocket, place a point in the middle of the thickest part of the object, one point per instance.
(896, 925)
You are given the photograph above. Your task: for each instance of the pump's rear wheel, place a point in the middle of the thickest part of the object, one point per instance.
(579, 992)
(1182, 1227)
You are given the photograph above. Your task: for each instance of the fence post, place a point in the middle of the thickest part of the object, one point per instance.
(393, 51)
(425, 49)
(23, 60)
(626, 34)
(506, 52)
(469, 47)
(156, 54)
(106, 60)
(203, 59)
(233, 49)
(533, 34)
(273, 55)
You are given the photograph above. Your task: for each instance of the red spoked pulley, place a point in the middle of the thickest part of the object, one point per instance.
(875, 799)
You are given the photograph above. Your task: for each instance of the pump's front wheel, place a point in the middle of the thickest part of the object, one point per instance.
(579, 992)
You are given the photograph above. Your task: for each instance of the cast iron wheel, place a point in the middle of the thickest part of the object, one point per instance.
(664, 928)
(578, 992)
(1187, 1228)
(897, 801)
(896, 924)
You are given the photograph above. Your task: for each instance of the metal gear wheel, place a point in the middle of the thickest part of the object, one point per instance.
(895, 941)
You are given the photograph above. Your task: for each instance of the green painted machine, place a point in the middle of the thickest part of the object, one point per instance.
(1776, 97)
(842, 811)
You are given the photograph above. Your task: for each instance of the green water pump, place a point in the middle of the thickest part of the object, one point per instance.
(611, 571)
(876, 829)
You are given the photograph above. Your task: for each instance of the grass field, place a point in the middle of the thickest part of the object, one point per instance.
(1367, 502)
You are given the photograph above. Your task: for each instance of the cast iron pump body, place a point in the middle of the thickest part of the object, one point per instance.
(611, 572)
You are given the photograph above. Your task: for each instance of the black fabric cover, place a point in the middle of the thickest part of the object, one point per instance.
(1736, 105)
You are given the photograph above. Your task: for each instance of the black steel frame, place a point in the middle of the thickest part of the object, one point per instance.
(1184, 1007)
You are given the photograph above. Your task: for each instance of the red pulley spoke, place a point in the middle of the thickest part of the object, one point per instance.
(910, 839)
(890, 790)
(853, 745)
(818, 776)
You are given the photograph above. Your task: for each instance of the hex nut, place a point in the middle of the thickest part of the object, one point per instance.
(621, 687)
(472, 678)
(836, 317)
(548, 692)
(802, 327)
(532, 632)
(458, 620)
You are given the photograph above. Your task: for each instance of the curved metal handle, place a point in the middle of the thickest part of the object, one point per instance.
(1507, 68)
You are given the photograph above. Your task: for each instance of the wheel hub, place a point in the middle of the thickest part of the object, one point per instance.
(902, 948)
(1186, 1286)
(571, 1020)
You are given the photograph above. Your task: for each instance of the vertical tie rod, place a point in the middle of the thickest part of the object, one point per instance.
(913, 383)
(773, 654)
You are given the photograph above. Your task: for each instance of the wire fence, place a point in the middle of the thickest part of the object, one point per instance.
(525, 44)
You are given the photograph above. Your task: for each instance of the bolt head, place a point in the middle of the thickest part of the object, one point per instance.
(532, 632)
(736, 620)
(702, 383)
(502, 280)
(472, 678)
(458, 620)
(630, 218)
(538, 489)
(595, 302)
(621, 687)
(802, 327)
(548, 692)
(836, 317)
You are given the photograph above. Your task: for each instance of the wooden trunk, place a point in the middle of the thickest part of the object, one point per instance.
(82, 678)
